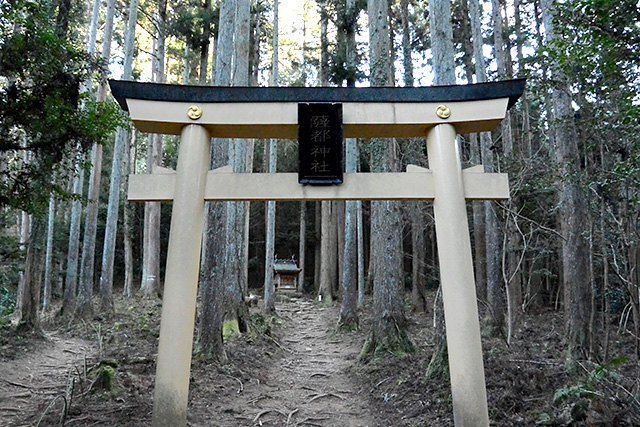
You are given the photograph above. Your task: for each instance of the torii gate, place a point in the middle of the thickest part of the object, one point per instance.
(198, 113)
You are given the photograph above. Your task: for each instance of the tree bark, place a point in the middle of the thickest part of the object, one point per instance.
(151, 284)
(122, 137)
(492, 240)
(327, 254)
(360, 234)
(388, 332)
(204, 51)
(338, 237)
(48, 259)
(236, 217)
(323, 73)
(127, 210)
(212, 289)
(269, 286)
(479, 229)
(407, 61)
(84, 309)
(71, 283)
(418, 251)
(511, 277)
(572, 211)
(444, 67)
(28, 318)
(328, 245)
(442, 42)
(318, 246)
(302, 244)
(480, 254)
(349, 307)
(127, 231)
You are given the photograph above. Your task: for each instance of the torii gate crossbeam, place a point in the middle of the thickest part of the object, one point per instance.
(200, 113)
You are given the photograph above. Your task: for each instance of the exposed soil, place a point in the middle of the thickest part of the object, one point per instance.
(305, 380)
(37, 373)
(301, 373)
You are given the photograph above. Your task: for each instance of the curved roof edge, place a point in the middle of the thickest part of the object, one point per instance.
(123, 90)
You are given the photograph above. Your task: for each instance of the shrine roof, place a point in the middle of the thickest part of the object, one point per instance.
(286, 266)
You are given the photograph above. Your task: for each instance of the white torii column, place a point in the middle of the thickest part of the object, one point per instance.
(466, 368)
(181, 279)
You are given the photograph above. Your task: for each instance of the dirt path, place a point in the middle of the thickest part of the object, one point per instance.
(300, 378)
(39, 375)
(308, 385)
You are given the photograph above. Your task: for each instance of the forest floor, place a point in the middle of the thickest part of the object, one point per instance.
(298, 371)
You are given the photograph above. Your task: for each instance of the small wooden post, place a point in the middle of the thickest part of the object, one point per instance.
(181, 280)
(458, 284)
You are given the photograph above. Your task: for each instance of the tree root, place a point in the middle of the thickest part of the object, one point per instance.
(310, 421)
(291, 414)
(438, 368)
(241, 389)
(320, 396)
(18, 395)
(265, 412)
(395, 345)
(318, 374)
(16, 384)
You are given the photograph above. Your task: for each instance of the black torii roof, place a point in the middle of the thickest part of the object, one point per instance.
(122, 90)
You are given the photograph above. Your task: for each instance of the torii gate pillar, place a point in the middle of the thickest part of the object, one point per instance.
(466, 369)
(181, 279)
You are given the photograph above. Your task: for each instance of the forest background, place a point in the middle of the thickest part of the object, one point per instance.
(567, 241)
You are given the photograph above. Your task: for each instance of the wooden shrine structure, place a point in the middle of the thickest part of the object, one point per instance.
(198, 113)
(286, 273)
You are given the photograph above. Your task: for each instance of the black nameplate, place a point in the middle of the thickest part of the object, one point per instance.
(320, 143)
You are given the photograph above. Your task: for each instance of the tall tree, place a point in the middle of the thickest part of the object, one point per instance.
(269, 286)
(127, 227)
(235, 271)
(28, 319)
(388, 332)
(302, 244)
(70, 292)
(71, 283)
(328, 252)
(151, 285)
(213, 289)
(327, 279)
(510, 275)
(84, 307)
(209, 340)
(571, 208)
(122, 137)
(349, 307)
(126, 166)
(492, 237)
(204, 51)
(407, 60)
(444, 67)
(48, 258)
